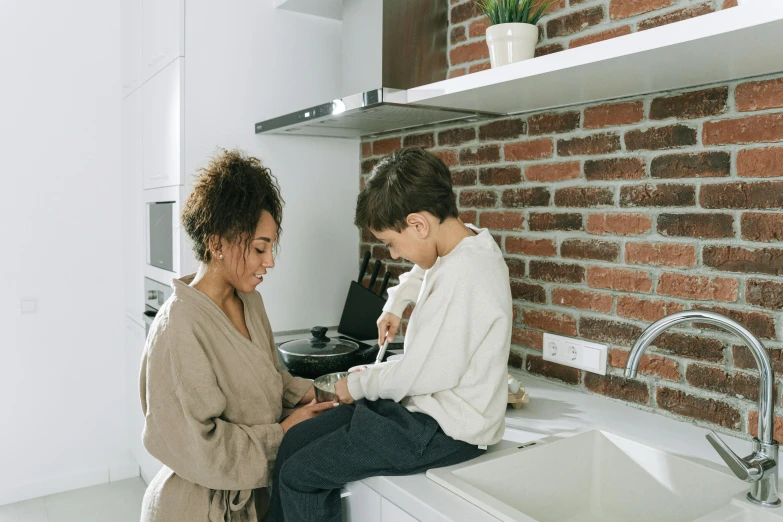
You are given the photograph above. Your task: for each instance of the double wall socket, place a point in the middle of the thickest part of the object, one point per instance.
(576, 353)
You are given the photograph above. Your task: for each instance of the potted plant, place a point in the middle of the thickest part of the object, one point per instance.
(513, 35)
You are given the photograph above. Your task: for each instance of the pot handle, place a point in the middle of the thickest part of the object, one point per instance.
(319, 334)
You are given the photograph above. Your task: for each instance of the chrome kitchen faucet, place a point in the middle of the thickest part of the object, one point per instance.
(760, 468)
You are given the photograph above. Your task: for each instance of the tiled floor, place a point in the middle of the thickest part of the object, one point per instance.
(113, 502)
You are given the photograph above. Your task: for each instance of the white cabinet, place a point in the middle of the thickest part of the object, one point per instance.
(163, 121)
(130, 29)
(360, 503)
(132, 206)
(391, 513)
(163, 38)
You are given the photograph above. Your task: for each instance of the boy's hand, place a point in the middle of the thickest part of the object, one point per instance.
(388, 326)
(341, 390)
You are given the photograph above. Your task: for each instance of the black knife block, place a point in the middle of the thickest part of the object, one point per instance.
(361, 312)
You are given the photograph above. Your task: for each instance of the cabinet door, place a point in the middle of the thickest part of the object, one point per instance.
(132, 206)
(163, 38)
(391, 513)
(130, 27)
(162, 127)
(360, 503)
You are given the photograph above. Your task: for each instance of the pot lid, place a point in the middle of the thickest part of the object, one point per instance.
(319, 345)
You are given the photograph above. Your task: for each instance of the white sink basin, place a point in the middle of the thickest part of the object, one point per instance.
(597, 475)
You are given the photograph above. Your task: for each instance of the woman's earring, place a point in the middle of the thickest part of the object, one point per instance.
(220, 256)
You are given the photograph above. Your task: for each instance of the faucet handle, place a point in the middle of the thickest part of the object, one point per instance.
(745, 469)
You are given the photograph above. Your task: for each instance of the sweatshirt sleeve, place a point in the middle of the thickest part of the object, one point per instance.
(406, 292)
(187, 430)
(452, 323)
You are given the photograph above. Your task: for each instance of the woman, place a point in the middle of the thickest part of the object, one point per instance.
(212, 391)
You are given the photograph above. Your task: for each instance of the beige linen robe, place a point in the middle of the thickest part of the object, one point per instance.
(212, 401)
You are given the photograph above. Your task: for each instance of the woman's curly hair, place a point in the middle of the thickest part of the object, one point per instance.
(227, 200)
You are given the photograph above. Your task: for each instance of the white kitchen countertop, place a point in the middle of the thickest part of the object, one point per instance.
(553, 409)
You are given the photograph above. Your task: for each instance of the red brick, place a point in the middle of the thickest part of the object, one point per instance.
(698, 287)
(584, 197)
(625, 8)
(660, 254)
(574, 22)
(502, 130)
(619, 279)
(382, 253)
(743, 358)
(542, 222)
(600, 37)
(448, 157)
(457, 35)
(479, 155)
(614, 169)
(692, 347)
(716, 380)
(544, 50)
(554, 322)
(454, 73)
(366, 149)
(553, 123)
(551, 172)
(426, 140)
(557, 5)
(694, 165)
(671, 195)
(525, 197)
(613, 114)
(469, 216)
(649, 310)
(538, 366)
(729, 3)
(753, 422)
(759, 323)
(582, 299)
(478, 198)
(709, 410)
(456, 136)
(629, 390)
(612, 332)
(463, 12)
(523, 291)
(483, 66)
(368, 165)
(590, 145)
(464, 177)
(702, 226)
(619, 224)
(654, 365)
(760, 163)
(768, 294)
(675, 16)
(752, 129)
(502, 220)
(470, 52)
(762, 227)
(660, 138)
(509, 175)
(516, 268)
(556, 272)
(516, 360)
(386, 146)
(530, 246)
(529, 338)
(590, 249)
(761, 194)
(756, 96)
(528, 150)
(694, 104)
(478, 27)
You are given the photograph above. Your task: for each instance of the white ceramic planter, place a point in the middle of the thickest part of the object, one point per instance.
(509, 43)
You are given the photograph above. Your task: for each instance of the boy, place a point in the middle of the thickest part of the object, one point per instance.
(445, 401)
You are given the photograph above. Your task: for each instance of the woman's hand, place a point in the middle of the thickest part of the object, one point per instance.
(313, 409)
(309, 396)
(341, 390)
(388, 326)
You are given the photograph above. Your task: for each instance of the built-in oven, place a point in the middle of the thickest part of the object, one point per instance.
(155, 294)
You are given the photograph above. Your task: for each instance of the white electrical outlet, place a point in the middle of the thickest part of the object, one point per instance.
(576, 353)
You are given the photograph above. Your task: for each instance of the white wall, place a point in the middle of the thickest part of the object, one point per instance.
(244, 62)
(61, 369)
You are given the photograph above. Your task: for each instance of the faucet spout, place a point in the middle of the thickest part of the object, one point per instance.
(760, 468)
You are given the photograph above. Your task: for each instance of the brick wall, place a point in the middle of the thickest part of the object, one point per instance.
(568, 24)
(613, 215)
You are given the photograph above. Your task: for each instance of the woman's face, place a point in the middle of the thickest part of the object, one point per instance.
(244, 269)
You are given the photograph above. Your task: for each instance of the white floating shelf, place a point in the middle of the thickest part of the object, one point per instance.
(727, 45)
(324, 8)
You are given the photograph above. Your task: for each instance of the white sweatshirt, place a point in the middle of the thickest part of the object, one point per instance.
(456, 346)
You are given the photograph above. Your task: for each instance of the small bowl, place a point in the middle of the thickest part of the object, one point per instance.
(324, 386)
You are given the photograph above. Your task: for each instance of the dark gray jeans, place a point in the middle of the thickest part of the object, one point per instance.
(353, 442)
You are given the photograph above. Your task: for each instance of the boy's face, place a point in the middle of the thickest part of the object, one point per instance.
(412, 243)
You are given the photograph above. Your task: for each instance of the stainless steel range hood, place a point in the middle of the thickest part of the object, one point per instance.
(389, 46)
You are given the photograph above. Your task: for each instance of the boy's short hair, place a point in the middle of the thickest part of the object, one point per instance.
(407, 181)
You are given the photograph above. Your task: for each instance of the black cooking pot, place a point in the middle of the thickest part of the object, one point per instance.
(320, 354)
